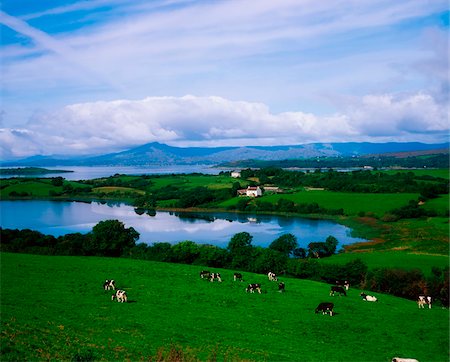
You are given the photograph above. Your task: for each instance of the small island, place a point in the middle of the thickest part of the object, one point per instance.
(29, 171)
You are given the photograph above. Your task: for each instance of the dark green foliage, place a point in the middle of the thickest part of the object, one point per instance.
(57, 181)
(240, 249)
(285, 244)
(265, 260)
(110, 238)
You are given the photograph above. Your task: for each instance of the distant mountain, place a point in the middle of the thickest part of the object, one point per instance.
(160, 154)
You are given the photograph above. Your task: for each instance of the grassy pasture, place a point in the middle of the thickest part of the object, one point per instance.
(193, 180)
(352, 203)
(36, 188)
(109, 189)
(392, 259)
(54, 308)
(441, 172)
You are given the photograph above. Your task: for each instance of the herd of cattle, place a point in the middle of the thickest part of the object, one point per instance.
(340, 286)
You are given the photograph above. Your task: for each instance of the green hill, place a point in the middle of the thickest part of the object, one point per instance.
(54, 308)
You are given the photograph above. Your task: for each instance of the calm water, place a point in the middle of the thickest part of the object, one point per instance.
(59, 218)
(87, 173)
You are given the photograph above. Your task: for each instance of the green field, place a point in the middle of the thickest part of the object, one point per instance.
(392, 259)
(54, 308)
(352, 202)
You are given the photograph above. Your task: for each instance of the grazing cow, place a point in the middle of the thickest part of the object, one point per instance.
(337, 289)
(343, 283)
(281, 287)
(424, 300)
(272, 276)
(252, 287)
(368, 298)
(204, 274)
(325, 308)
(215, 276)
(398, 359)
(238, 276)
(109, 284)
(121, 296)
(338, 282)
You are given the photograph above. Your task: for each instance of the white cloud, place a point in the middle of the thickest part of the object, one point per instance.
(98, 127)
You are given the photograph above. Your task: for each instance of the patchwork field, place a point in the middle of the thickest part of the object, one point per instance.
(54, 308)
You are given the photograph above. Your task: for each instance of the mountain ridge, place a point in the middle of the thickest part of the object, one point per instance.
(156, 153)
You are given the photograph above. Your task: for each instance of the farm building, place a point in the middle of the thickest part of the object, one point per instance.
(251, 191)
(235, 174)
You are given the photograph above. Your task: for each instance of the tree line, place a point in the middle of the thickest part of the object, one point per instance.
(283, 256)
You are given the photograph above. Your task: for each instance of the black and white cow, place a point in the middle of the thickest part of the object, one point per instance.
(272, 277)
(399, 359)
(215, 276)
(343, 283)
(337, 289)
(252, 287)
(281, 287)
(109, 284)
(205, 274)
(238, 276)
(424, 300)
(368, 298)
(120, 295)
(325, 308)
(338, 282)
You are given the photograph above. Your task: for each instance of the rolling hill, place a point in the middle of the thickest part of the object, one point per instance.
(160, 154)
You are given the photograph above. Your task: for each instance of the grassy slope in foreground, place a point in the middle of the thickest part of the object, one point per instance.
(55, 308)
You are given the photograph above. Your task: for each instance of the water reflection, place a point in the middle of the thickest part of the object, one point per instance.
(58, 218)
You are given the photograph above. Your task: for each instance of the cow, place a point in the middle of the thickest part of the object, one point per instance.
(109, 284)
(337, 289)
(325, 308)
(252, 287)
(120, 295)
(281, 287)
(338, 282)
(204, 274)
(424, 300)
(399, 359)
(238, 276)
(272, 276)
(368, 298)
(343, 283)
(215, 276)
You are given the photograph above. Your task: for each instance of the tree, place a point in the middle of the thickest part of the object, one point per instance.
(185, 252)
(110, 238)
(331, 245)
(240, 248)
(285, 244)
(57, 181)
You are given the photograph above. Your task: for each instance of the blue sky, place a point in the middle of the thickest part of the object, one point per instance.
(82, 77)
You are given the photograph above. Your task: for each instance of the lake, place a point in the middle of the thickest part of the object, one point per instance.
(62, 217)
(87, 173)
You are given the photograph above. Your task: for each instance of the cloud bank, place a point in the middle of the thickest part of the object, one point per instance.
(97, 127)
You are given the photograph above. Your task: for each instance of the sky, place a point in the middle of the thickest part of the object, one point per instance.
(99, 76)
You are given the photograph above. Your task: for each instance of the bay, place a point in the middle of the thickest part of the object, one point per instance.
(91, 172)
(62, 217)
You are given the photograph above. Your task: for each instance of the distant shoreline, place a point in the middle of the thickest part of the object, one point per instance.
(30, 171)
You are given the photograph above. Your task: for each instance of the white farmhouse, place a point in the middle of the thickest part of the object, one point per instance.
(253, 191)
(235, 174)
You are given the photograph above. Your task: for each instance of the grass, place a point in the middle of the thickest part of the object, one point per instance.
(392, 259)
(109, 189)
(54, 308)
(439, 172)
(352, 203)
